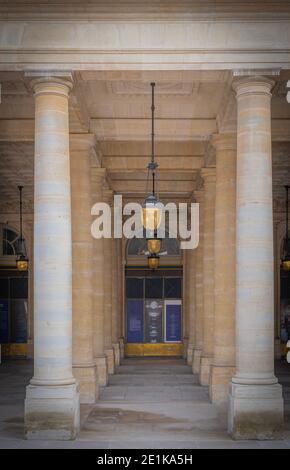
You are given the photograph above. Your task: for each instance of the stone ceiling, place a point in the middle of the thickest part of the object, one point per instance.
(115, 106)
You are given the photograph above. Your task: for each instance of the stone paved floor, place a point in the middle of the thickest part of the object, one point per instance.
(149, 403)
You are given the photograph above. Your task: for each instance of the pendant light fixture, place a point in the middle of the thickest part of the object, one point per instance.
(285, 262)
(151, 210)
(22, 260)
(153, 261)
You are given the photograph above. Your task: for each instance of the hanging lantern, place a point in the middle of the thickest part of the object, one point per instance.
(151, 210)
(154, 245)
(151, 213)
(22, 263)
(153, 262)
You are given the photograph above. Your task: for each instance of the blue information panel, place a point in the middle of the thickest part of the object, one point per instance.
(4, 322)
(135, 321)
(173, 323)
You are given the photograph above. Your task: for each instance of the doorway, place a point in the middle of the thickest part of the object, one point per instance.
(153, 310)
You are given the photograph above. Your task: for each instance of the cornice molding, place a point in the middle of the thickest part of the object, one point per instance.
(182, 10)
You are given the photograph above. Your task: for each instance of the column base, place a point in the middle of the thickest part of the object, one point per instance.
(110, 360)
(205, 366)
(52, 412)
(88, 387)
(116, 348)
(255, 411)
(122, 348)
(189, 355)
(196, 361)
(102, 370)
(220, 379)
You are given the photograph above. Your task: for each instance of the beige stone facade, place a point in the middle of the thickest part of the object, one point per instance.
(75, 130)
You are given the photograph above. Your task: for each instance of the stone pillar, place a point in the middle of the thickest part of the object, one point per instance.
(98, 175)
(256, 405)
(185, 303)
(191, 304)
(121, 297)
(115, 303)
(84, 368)
(208, 175)
(52, 399)
(198, 334)
(108, 265)
(223, 367)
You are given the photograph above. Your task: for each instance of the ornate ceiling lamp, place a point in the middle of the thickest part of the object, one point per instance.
(285, 261)
(22, 260)
(151, 211)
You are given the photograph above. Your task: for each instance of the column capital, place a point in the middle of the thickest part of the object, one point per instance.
(108, 195)
(199, 195)
(50, 82)
(226, 141)
(254, 84)
(98, 174)
(208, 175)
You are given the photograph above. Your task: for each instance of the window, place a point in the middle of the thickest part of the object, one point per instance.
(13, 309)
(9, 241)
(172, 288)
(134, 288)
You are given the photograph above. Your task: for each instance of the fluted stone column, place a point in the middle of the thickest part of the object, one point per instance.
(52, 399)
(98, 175)
(208, 175)
(191, 304)
(256, 405)
(223, 367)
(84, 367)
(115, 303)
(108, 265)
(198, 333)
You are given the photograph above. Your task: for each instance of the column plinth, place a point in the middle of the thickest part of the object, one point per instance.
(256, 404)
(52, 399)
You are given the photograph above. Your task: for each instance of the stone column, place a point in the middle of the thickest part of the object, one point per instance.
(84, 368)
(108, 265)
(185, 304)
(191, 304)
(115, 303)
(223, 367)
(256, 405)
(198, 335)
(98, 175)
(52, 399)
(121, 298)
(208, 175)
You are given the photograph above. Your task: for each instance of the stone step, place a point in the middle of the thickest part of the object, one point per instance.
(166, 370)
(156, 393)
(145, 379)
